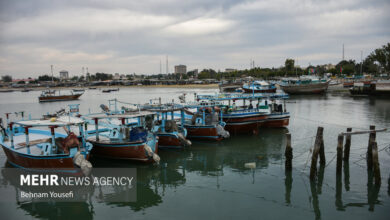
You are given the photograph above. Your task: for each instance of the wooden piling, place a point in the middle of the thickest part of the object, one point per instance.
(371, 140)
(322, 151)
(288, 153)
(339, 165)
(316, 151)
(375, 161)
(347, 146)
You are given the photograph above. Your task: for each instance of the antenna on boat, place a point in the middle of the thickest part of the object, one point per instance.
(167, 64)
(361, 62)
(51, 67)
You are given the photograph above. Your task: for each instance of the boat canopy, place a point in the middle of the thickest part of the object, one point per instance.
(126, 115)
(209, 103)
(262, 83)
(61, 121)
(231, 96)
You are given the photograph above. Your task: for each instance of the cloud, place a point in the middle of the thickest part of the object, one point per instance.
(133, 36)
(199, 26)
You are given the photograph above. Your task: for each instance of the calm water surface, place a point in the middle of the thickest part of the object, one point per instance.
(209, 180)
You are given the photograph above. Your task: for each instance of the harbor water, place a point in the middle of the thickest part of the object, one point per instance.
(209, 180)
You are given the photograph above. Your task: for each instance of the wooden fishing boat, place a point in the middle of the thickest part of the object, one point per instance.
(129, 139)
(170, 133)
(242, 118)
(205, 123)
(277, 116)
(6, 90)
(371, 88)
(230, 87)
(26, 90)
(110, 90)
(259, 87)
(304, 85)
(27, 145)
(49, 97)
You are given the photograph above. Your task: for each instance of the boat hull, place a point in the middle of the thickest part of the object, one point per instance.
(133, 151)
(276, 121)
(59, 98)
(315, 88)
(205, 132)
(241, 123)
(38, 162)
(169, 141)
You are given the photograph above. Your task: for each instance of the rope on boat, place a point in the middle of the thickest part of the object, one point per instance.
(322, 122)
(127, 103)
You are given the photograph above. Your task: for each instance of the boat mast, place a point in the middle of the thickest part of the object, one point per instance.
(51, 66)
(361, 62)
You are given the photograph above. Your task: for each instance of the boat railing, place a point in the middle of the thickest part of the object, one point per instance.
(232, 96)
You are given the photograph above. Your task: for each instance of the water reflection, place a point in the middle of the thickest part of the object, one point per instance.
(288, 185)
(339, 192)
(346, 176)
(372, 191)
(58, 210)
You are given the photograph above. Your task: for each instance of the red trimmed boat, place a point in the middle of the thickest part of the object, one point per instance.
(128, 139)
(42, 148)
(242, 118)
(204, 123)
(50, 97)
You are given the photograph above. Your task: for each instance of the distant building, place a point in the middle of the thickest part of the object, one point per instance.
(193, 73)
(118, 76)
(64, 75)
(180, 69)
(229, 70)
(329, 66)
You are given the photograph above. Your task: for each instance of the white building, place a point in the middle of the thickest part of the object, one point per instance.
(64, 75)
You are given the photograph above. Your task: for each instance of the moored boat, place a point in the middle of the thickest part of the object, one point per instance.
(371, 88)
(110, 90)
(304, 85)
(205, 123)
(50, 97)
(129, 138)
(243, 117)
(171, 134)
(6, 90)
(259, 87)
(27, 145)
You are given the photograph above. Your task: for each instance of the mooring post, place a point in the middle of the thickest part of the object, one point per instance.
(339, 165)
(371, 140)
(97, 128)
(288, 152)
(347, 146)
(322, 149)
(316, 150)
(375, 160)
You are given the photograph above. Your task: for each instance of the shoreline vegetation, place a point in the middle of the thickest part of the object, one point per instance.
(333, 88)
(194, 86)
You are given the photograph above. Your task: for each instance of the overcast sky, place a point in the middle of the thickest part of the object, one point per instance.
(128, 36)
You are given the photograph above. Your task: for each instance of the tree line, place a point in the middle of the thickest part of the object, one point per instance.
(375, 63)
